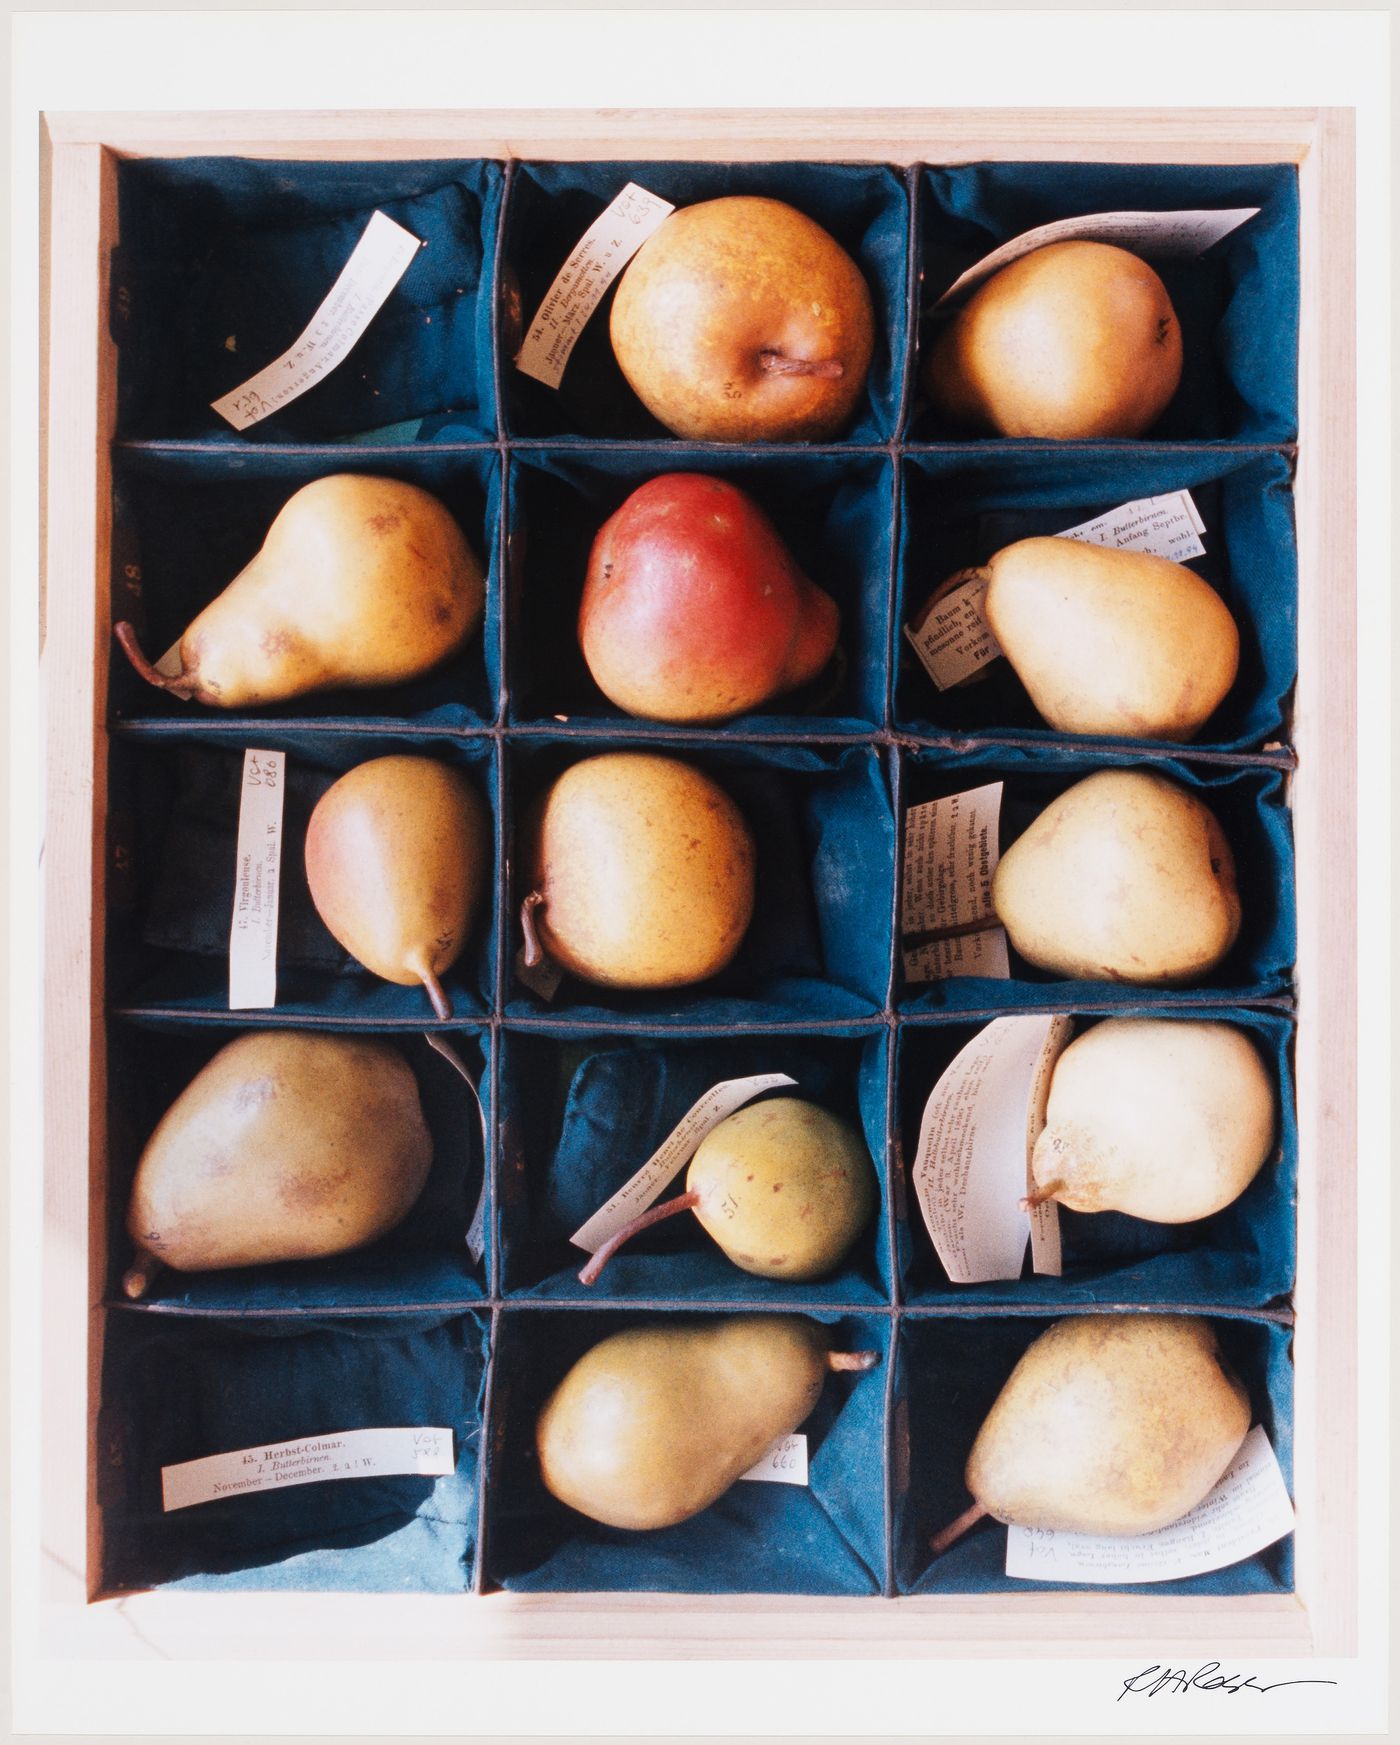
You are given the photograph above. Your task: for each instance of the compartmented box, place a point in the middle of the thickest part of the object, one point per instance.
(208, 266)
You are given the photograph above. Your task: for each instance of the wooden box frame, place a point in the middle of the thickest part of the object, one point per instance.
(80, 158)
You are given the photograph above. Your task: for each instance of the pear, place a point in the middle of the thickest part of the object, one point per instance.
(640, 871)
(1073, 341)
(1125, 877)
(653, 1425)
(1106, 641)
(361, 581)
(398, 854)
(1111, 1424)
(288, 1145)
(742, 320)
(783, 1186)
(1168, 1121)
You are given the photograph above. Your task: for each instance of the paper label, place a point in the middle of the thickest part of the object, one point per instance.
(1248, 1510)
(476, 1230)
(1154, 235)
(542, 978)
(343, 1454)
(981, 953)
(1045, 1218)
(954, 640)
(671, 1156)
(784, 1462)
(950, 853)
(970, 1167)
(600, 255)
(252, 943)
(1164, 526)
(379, 260)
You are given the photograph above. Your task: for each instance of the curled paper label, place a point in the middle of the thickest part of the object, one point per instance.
(279, 1466)
(476, 1230)
(978, 953)
(1248, 1510)
(951, 850)
(672, 1155)
(953, 639)
(784, 1462)
(252, 940)
(1166, 526)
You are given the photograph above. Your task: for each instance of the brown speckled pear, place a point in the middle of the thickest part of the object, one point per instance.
(1125, 877)
(398, 854)
(1073, 341)
(640, 871)
(290, 1144)
(742, 320)
(361, 581)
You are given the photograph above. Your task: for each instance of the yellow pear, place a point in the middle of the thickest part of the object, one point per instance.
(640, 871)
(398, 854)
(1112, 642)
(361, 581)
(1074, 340)
(1163, 1120)
(1125, 877)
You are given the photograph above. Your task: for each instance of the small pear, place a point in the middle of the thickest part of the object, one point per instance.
(1163, 1120)
(1112, 642)
(361, 581)
(1125, 877)
(288, 1145)
(640, 871)
(783, 1186)
(654, 1424)
(398, 854)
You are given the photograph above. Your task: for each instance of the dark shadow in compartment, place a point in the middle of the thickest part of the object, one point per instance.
(960, 510)
(224, 262)
(179, 1388)
(187, 522)
(424, 1260)
(817, 949)
(835, 514)
(827, 1537)
(580, 1118)
(1237, 303)
(950, 1371)
(864, 206)
(173, 836)
(1249, 803)
(1243, 1256)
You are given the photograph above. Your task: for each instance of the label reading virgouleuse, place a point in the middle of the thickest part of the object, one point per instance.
(600, 255)
(671, 1156)
(379, 260)
(252, 942)
(950, 853)
(342, 1454)
(1248, 1510)
(784, 1461)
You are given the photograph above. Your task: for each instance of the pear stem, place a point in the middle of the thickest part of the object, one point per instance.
(534, 951)
(441, 1004)
(955, 1529)
(643, 1221)
(858, 1360)
(137, 1277)
(777, 363)
(182, 687)
(1029, 1202)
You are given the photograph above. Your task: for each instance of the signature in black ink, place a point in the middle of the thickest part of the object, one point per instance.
(1154, 1680)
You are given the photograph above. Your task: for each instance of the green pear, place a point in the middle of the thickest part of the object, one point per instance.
(1163, 1120)
(1125, 877)
(288, 1145)
(783, 1186)
(654, 1424)
(361, 581)
(1112, 642)
(398, 856)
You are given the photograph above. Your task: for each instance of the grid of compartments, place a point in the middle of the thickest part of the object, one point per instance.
(221, 262)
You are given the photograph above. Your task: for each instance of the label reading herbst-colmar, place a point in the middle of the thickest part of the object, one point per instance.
(380, 1453)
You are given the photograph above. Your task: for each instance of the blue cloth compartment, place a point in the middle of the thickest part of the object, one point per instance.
(187, 521)
(1249, 803)
(182, 1387)
(818, 948)
(959, 510)
(835, 514)
(1237, 303)
(825, 1538)
(864, 206)
(580, 1117)
(423, 1261)
(1243, 1256)
(173, 834)
(949, 1371)
(224, 261)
